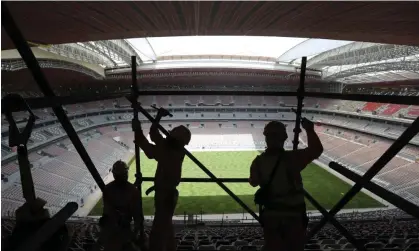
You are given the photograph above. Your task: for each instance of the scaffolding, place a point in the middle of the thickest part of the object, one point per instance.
(56, 103)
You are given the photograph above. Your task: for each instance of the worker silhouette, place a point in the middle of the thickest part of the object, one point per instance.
(283, 214)
(169, 154)
(121, 204)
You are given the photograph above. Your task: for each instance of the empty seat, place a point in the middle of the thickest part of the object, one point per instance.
(185, 247)
(399, 241)
(240, 243)
(227, 247)
(327, 241)
(191, 243)
(333, 246)
(393, 245)
(249, 247)
(312, 246)
(258, 242)
(391, 249)
(204, 242)
(374, 245)
(222, 242)
(207, 247)
(410, 241)
(413, 245)
(342, 241)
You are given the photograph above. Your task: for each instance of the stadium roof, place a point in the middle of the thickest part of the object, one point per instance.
(336, 60)
(59, 22)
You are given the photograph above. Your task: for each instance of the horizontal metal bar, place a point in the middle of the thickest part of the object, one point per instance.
(206, 180)
(38, 103)
(393, 198)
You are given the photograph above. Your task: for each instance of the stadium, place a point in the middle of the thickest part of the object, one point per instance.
(223, 79)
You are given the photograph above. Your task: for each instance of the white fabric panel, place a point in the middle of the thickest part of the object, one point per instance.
(218, 45)
(311, 47)
(143, 48)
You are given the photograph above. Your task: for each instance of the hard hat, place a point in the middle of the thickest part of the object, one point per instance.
(181, 134)
(275, 127)
(119, 168)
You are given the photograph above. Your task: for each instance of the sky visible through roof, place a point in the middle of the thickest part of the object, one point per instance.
(154, 47)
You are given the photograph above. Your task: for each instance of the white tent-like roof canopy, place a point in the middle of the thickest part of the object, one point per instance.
(283, 49)
(343, 61)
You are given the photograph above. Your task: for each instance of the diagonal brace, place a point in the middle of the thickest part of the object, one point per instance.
(200, 165)
(403, 140)
(33, 65)
(389, 196)
(334, 222)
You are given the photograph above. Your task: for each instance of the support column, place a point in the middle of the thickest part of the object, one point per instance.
(297, 131)
(138, 174)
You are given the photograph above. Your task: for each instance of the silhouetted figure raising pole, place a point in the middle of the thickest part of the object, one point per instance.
(278, 173)
(281, 196)
(169, 154)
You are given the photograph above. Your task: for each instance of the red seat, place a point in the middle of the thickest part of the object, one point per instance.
(371, 106)
(392, 109)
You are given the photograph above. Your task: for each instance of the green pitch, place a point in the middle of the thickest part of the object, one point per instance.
(211, 199)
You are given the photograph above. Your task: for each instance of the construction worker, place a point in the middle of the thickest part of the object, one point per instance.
(169, 154)
(284, 218)
(121, 204)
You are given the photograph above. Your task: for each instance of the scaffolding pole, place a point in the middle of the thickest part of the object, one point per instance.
(297, 131)
(27, 55)
(138, 174)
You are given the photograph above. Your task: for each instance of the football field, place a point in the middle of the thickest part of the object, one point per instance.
(209, 198)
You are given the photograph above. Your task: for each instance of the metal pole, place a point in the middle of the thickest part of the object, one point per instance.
(38, 103)
(33, 65)
(397, 145)
(297, 131)
(300, 97)
(393, 198)
(138, 174)
(200, 165)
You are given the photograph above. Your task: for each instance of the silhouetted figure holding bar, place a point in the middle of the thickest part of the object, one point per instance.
(168, 152)
(277, 171)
